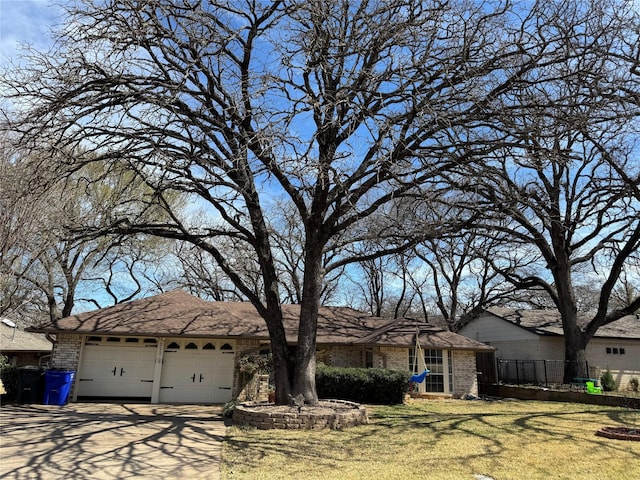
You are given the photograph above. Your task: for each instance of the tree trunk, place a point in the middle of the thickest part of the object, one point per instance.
(575, 360)
(304, 380)
(575, 340)
(280, 355)
(272, 314)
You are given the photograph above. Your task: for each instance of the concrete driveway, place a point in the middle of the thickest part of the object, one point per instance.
(110, 441)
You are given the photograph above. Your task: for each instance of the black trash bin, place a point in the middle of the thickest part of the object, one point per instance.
(30, 384)
(57, 386)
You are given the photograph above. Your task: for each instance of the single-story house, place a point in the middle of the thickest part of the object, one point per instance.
(175, 347)
(536, 335)
(23, 348)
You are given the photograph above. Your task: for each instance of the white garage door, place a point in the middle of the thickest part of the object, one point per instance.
(197, 371)
(117, 367)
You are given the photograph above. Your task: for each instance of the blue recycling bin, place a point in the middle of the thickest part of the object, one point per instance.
(57, 386)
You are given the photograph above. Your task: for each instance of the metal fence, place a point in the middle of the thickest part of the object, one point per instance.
(537, 372)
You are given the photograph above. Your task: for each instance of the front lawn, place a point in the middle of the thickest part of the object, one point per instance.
(446, 439)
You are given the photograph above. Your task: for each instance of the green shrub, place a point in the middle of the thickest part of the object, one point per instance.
(633, 384)
(9, 377)
(607, 382)
(256, 363)
(362, 385)
(228, 408)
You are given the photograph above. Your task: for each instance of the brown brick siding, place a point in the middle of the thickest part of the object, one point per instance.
(66, 356)
(66, 353)
(344, 356)
(465, 378)
(394, 358)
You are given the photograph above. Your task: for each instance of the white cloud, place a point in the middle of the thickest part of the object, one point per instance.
(26, 22)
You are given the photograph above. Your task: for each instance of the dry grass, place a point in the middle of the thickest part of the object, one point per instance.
(452, 439)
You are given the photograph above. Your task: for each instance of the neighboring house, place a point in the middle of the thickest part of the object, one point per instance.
(23, 348)
(537, 335)
(175, 347)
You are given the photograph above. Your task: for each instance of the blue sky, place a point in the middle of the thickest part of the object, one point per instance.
(25, 22)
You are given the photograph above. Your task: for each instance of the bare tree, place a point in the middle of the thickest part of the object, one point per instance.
(44, 267)
(199, 273)
(342, 108)
(447, 278)
(387, 287)
(564, 188)
(20, 203)
(627, 289)
(288, 236)
(128, 268)
(370, 282)
(460, 275)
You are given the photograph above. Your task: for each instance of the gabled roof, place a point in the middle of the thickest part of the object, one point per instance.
(403, 332)
(177, 313)
(14, 339)
(548, 322)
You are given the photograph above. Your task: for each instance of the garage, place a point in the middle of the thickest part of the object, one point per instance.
(117, 367)
(197, 371)
(192, 371)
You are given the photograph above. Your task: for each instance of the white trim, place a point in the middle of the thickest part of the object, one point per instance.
(157, 371)
(447, 377)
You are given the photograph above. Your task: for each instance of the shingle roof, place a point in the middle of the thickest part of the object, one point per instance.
(548, 322)
(177, 313)
(402, 332)
(17, 340)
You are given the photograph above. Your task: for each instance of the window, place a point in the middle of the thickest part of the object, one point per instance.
(173, 346)
(368, 358)
(440, 365)
(191, 346)
(435, 363)
(450, 368)
(124, 341)
(615, 350)
(209, 346)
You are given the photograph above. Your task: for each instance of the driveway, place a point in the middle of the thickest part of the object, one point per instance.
(110, 441)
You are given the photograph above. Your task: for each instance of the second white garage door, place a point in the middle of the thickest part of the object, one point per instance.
(197, 371)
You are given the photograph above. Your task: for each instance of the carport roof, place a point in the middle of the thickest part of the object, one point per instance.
(177, 313)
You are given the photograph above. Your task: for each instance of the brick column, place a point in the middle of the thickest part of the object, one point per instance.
(66, 351)
(465, 378)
